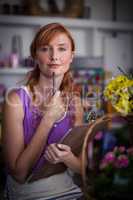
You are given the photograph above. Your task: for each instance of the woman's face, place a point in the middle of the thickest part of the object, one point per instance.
(56, 56)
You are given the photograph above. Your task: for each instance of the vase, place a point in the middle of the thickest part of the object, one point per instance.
(121, 181)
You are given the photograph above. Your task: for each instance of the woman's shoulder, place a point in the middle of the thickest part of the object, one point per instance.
(12, 106)
(13, 95)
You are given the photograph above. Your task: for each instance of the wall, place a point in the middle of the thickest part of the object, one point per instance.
(101, 9)
(88, 43)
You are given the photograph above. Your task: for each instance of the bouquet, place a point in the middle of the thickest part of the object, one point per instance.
(120, 92)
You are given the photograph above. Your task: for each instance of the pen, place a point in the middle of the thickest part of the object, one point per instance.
(53, 79)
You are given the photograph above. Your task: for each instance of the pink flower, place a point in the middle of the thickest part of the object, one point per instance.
(122, 161)
(108, 159)
(122, 149)
(103, 164)
(99, 135)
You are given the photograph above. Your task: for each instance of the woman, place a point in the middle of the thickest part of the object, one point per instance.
(37, 115)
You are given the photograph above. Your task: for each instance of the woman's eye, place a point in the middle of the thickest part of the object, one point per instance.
(62, 49)
(44, 49)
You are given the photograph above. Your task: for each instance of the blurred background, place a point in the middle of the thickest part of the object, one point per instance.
(102, 29)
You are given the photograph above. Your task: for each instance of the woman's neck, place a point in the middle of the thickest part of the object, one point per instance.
(46, 84)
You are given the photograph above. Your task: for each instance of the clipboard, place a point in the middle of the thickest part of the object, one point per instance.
(73, 138)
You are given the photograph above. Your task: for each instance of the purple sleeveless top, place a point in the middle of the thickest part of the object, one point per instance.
(32, 118)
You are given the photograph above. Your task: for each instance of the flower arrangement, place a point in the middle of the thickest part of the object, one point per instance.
(118, 163)
(110, 173)
(120, 92)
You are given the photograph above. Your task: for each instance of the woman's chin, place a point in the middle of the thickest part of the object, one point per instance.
(57, 72)
(49, 74)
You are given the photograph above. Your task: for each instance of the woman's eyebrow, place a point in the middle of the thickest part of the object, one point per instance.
(44, 45)
(62, 44)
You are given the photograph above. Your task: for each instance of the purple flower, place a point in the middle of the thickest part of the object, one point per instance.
(99, 135)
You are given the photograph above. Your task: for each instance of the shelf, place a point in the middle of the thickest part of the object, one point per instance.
(12, 71)
(34, 21)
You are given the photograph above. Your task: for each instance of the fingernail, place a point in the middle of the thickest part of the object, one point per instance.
(59, 145)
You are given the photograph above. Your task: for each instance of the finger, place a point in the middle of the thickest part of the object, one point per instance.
(53, 152)
(47, 156)
(54, 99)
(50, 160)
(50, 151)
(56, 95)
(64, 147)
(59, 152)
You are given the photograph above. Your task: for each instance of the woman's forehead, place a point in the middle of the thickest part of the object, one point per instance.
(61, 38)
(57, 38)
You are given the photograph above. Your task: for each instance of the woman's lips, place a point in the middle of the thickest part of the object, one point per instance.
(54, 66)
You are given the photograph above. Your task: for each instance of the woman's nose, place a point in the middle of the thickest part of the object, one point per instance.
(54, 54)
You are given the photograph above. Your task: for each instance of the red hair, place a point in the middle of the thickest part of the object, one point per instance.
(43, 37)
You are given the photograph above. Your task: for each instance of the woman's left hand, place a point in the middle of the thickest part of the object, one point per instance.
(55, 153)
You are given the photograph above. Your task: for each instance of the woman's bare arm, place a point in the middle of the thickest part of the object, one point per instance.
(18, 157)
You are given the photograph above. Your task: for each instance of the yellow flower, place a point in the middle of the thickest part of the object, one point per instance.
(120, 92)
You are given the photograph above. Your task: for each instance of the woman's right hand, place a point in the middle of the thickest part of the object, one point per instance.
(55, 109)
